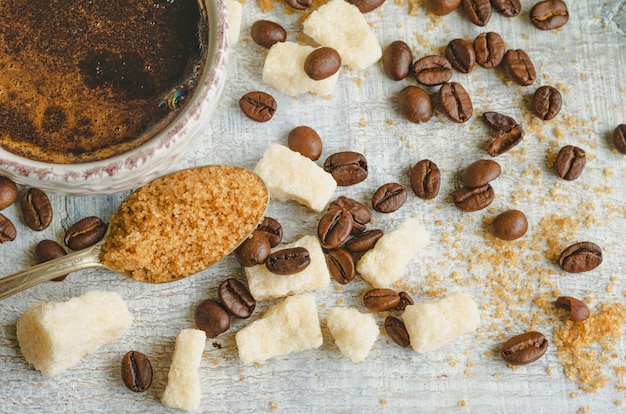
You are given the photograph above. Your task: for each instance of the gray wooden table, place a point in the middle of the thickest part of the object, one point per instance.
(586, 60)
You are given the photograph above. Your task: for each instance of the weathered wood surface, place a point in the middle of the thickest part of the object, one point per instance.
(586, 59)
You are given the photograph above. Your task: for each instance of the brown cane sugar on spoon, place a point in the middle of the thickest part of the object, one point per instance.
(169, 229)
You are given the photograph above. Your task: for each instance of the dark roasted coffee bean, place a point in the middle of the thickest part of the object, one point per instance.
(505, 140)
(489, 49)
(397, 60)
(266, 33)
(212, 318)
(507, 8)
(580, 257)
(477, 11)
(47, 250)
(460, 54)
(347, 167)
(7, 229)
(425, 179)
(85, 232)
(415, 104)
(36, 209)
(480, 173)
(8, 192)
(432, 70)
(405, 300)
(381, 299)
(520, 68)
(473, 199)
(322, 63)
(364, 241)
(397, 331)
(570, 162)
(288, 261)
(524, 349)
(359, 212)
(136, 371)
(341, 265)
(549, 14)
(272, 229)
(456, 102)
(236, 298)
(389, 198)
(619, 138)
(258, 106)
(509, 225)
(306, 141)
(547, 102)
(299, 4)
(577, 309)
(366, 6)
(442, 7)
(254, 250)
(334, 228)
(499, 122)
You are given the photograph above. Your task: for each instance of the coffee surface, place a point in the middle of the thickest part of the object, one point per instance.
(86, 80)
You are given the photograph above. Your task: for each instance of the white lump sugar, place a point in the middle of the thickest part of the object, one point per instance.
(354, 332)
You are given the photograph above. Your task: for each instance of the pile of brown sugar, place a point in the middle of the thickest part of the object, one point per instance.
(179, 224)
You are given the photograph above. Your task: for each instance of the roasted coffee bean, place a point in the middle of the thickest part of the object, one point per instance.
(212, 318)
(266, 33)
(136, 371)
(507, 8)
(272, 229)
(570, 162)
(415, 104)
(288, 261)
(47, 250)
(425, 179)
(366, 6)
(7, 229)
(397, 331)
(442, 7)
(341, 265)
(85, 232)
(389, 197)
(347, 167)
(364, 241)
(509, 225)
(405, 300)
(473, 199)
(547, 102)
(505, 140)
(524, 349)
(258, 106)
(489, 49)
(359, 212)
(236, 298)
(549, 14)
(480, 173)
(299, 4)
(334, 228)
(8, 192)
(580, 257)
(519, 67)
(322, 63)
(432, 70)
(397, 60)
(381, 299)
(477, 11)
(36, 209)
(254, 250)
(499, 122)
(306, 141)
(456, 102)
(460, 54)
(619, 138)
(577, 309)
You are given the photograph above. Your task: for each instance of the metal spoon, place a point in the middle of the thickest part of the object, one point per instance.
(91, 257)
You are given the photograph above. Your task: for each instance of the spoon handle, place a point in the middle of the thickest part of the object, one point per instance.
(82, 259)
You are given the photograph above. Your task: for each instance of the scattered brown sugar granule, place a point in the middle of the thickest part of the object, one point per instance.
(179, 224)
